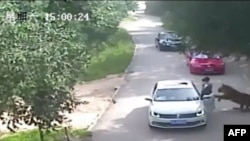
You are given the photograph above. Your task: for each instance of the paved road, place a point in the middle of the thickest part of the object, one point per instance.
(127, 120)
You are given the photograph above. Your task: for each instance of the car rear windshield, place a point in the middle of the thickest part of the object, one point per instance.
(205, 56)
(176, 94)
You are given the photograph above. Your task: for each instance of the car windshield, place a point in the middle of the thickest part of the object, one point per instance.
(201, 55)
(174, 39)
(170, 36)
(176, 94)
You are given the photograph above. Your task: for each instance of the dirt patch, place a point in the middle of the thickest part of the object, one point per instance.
(97, 93)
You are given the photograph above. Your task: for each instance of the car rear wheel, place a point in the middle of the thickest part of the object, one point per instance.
(223, 72)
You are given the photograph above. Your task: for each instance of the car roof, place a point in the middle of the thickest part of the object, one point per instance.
(171, 84)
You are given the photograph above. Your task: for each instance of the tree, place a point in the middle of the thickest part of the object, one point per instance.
(41, 62)
(104, 17)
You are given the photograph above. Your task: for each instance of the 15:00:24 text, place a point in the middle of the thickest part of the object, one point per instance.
(67, 17)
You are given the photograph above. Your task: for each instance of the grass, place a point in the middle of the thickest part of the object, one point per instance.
(114, 59)
(33, 135)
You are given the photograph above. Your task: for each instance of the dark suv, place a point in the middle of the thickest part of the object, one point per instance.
(168, 41)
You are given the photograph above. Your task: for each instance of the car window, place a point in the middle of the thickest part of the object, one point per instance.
(175, 94)
(171, 36)
(201, 55)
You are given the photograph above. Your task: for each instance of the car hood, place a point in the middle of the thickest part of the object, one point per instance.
(175, 107)
(208, 61)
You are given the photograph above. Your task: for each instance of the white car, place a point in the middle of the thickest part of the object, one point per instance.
(178, 104)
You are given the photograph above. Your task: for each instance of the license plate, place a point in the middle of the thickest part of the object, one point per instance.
(177, 122)
(209, 69)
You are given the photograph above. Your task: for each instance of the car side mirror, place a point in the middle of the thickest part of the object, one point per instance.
(148, 99)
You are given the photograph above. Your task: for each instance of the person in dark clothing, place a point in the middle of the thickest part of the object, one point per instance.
(206, 86)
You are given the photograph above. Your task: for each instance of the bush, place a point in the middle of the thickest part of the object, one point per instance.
(113, 59)
(33, 135)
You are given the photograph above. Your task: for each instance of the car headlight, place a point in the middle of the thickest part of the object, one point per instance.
(154, 114)
(164, 43)
(200, 112)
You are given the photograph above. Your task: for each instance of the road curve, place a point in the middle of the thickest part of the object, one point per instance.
(127, 120)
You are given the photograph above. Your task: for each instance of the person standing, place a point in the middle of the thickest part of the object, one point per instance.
(206, 86)
(207, 90)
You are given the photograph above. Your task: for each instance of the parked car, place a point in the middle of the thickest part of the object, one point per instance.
(168, 41)
(205, 63)
(178, 104)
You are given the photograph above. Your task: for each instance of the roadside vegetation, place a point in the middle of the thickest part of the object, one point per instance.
(59, 135)
(42, 59)
(212, 25)
(114, 59)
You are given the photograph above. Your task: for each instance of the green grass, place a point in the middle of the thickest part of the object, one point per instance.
(33, 135)
(114, 59)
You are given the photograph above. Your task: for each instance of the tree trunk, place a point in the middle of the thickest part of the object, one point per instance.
(66, 133)
(41, 133)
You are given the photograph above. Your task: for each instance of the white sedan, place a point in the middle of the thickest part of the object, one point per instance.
(178, 104)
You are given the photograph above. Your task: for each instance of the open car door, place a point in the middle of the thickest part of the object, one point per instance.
(155, 86)
(209, 102)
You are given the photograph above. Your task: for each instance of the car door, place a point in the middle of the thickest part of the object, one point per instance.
(155, 87)
(208, 101)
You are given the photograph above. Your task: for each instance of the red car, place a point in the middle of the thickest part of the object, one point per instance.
(205, 63)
